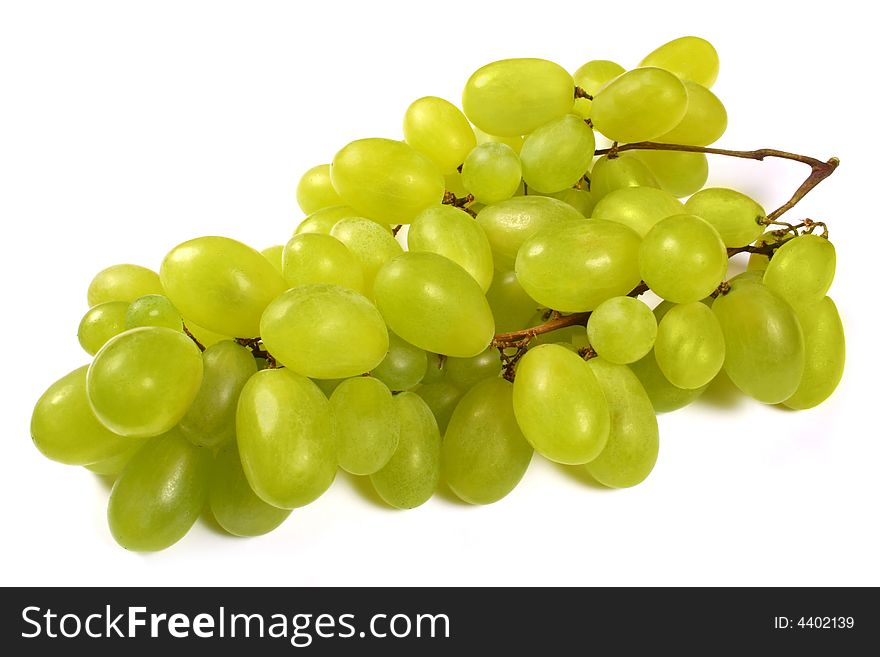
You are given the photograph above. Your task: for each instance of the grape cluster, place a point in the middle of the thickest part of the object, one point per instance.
(237, 382)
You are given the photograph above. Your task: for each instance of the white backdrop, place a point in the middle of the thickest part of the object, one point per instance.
(127, 127)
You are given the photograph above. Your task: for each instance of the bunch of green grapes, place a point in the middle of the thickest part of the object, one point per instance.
(505, 320)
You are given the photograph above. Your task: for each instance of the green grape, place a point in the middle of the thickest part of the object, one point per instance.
(153, 310)
(690, 345)
(465, 373)
(434, 304)
(210, 420)
(757, 261)
(404, 366)
(327, 386)
(703, 123)
(64, 427)
(664, 396)
(324, 332)
(756, 277)
(639, 105)
(220, 284)
(764, 342)
(580, 339)
(625, 170)
(123, 283)
(580, 199)
(311, 258)
(492, 172)
(273, 254)
(640, 208)
(315, 191)
(633, 438)
(514, 141)
(557, 154)
(455, 185)
(371, 244)
(559, 405)
(205, 337)
(566, 335)
(452, 233)
(437, 128)
(512, 97)
(436, 368)
(385, 180)
(802, 269)
(160, 494)
(599, 258)
(689, 57)
(484, 454)
(100, 323)
(323, 220)
(113, 465)
(824, 351)
(591, 77)
(683, 259)
(441, 397)
(680, 174)
(510, 223)
(622, 330)
(737, 218)
(411, 476)
(285, 438)
(366, 423)
(232, 501)
(143, 381)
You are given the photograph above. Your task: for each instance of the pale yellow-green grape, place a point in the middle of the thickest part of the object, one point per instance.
(143, 381)
(433, 303)
(210, 420)
(484, 454)
(599, 260)
(371, 244)
(64, 427)
(560, 406)
(510, 223)
(386, 180)
(465, 373)
(763, 339)
(639, 105)
(285, 438)
(324, 332)
(664, 396)
(441, 397)
(492, 172)
(640, 208)
(367, 425)
(160, 494)
(515, 141)
(411, 476)
(100, 323)
(512, 97)
(453, 233)
(123, 283)
(436, 368)
(232, 501)
(580, 340)
(404, 366)
(622, 330)
(153, 310)
(683, 259)
(689, 57)
(323, 220)
(437, 128)
(611, 174)
(759, 262)
(315, 191)
(315, 258)
(824, 351)
(112, 466)
(748, 276)
(703, 123)
(736, 217)
(221, 284)
(690, 345)
(580, 199)
(591, 77)
(455, 185)
(802, 269)
(633, 438)
(680, 174)
(273, 254)
(557, 154)
(327, 386)
(205, 337)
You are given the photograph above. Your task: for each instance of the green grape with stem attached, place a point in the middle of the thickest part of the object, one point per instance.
(436, 368)
(690, 345)
(437, 128)
(689, 57)
(737, 218)
(492, 172)
(314, 191)
(367, 426)
(824, 354)
(611, 341)
(557, 154)
(640, 208)
(465, 373)
(404, 366)
(311, 258)
(371, 244)
(612, 173)
(322, 221)
(441, 397)
(680, 174)
(153, 310)
(758, 261)
(100, 323)
(703, 123)
(802, 269)
(591, 77)
(123, 283)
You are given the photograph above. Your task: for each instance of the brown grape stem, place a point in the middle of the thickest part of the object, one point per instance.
(193, 338)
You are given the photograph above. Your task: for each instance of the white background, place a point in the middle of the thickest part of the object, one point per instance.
(126, 128)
